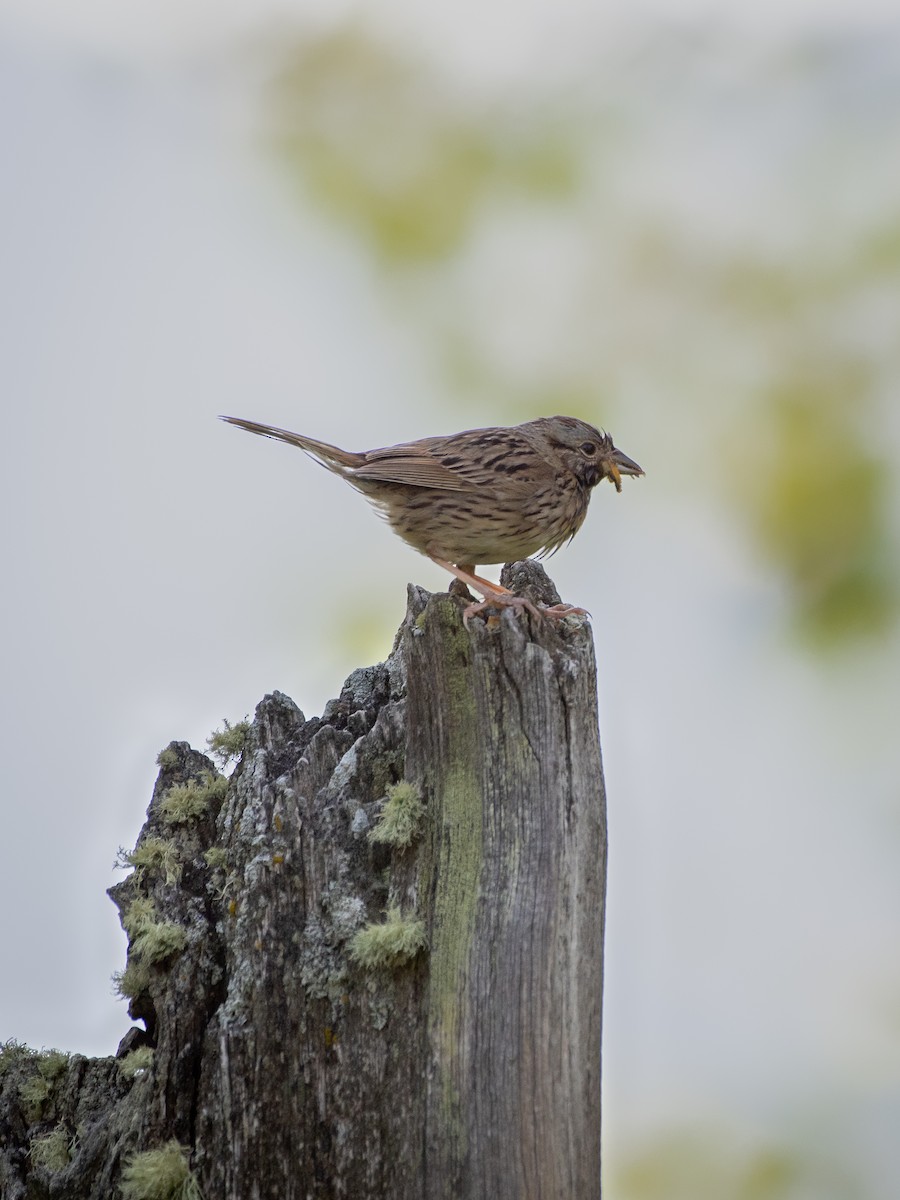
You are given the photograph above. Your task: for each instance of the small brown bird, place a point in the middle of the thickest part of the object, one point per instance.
(482, 496)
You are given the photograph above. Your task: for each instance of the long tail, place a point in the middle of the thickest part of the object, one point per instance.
(329, 456)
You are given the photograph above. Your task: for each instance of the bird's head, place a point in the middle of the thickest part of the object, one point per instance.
(589, 454)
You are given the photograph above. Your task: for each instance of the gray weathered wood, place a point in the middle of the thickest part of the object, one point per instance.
(288, 1069)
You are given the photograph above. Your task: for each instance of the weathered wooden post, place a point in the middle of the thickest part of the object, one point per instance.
(386, 975)
(502, 737)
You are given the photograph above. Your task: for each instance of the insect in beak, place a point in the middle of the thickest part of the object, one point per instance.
(619, 464)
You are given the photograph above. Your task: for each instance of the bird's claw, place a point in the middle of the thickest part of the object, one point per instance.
(518, 603)
(565, 610)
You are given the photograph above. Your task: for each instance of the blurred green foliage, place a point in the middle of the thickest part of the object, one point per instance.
(382, 147)
(557, 256)
(690, 1165)
(819, 506)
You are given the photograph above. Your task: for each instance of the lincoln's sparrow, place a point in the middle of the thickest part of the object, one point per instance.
(482, 496)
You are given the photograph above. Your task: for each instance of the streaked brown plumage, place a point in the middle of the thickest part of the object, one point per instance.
(482, 496)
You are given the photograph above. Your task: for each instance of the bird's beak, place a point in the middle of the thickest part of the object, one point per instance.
(619, 464)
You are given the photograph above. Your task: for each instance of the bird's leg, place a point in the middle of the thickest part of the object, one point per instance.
(496, 588)
(465, 573)
(495, 594)
(458, 588)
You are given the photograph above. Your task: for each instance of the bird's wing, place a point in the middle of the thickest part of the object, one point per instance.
(473, 461)
(410, 464)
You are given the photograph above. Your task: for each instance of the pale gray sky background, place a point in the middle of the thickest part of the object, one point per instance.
(161, 572)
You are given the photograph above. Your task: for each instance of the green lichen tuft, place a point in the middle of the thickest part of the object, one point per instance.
(35, 1091)
(153, 854)
(136, 1062)
(52, 1064)
(401, 817)
(167, 759)
(53, 1150)
(158, 941)
(141, 912)
(151, 940)
(131, 982)
(188, 801)
(228, 743)
(389, 944)
(34, 1094)
(163, 1174)
(13, 1054)
(216, 858)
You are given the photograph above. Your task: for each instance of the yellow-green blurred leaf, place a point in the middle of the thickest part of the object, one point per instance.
(380, 145)
(815, 496)
(716, 1165)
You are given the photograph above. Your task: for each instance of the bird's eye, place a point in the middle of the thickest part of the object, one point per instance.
(588, 448)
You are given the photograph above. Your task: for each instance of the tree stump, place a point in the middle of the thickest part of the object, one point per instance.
(370, 964)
